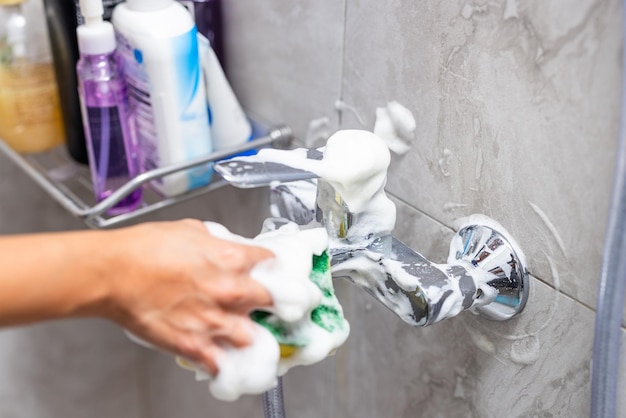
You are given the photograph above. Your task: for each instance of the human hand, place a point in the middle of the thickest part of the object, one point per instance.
(183, 290)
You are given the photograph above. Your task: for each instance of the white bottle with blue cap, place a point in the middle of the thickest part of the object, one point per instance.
(157, 40)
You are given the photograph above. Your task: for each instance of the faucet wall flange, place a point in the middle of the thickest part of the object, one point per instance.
(495, 252)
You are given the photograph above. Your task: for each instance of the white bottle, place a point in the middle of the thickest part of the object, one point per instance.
(157, 40)
(229, 125)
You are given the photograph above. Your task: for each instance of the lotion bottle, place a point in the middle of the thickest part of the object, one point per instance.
(229, 124)
(157, 40)
(104, 108)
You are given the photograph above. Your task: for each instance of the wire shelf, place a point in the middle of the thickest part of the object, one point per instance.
(69, 183)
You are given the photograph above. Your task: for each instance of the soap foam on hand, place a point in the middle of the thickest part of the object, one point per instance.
(303, 327)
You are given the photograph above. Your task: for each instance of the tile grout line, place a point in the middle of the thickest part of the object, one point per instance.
(343, 60)
(432, 218)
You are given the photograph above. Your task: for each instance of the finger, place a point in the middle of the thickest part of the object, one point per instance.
(188, 344)
(237, 331)
(197, 348)
(257, 254)
(193, 223)
(238, 293)
(203, 355)
(207, 360)
(235, 257)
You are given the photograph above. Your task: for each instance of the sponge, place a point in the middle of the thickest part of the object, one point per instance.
(324, 329)
(304, 326)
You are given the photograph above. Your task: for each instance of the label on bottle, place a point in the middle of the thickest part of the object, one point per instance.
(107, 139)
(140, 102)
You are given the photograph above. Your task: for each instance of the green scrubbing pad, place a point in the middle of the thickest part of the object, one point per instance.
(328, 315)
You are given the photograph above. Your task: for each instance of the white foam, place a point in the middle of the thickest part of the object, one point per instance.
(396, 126)
(286, 277)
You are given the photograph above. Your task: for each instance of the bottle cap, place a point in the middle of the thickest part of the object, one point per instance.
(95, 37)
(148, 5)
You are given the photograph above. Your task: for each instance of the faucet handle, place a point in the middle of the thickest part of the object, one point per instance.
(267, 169)
(248, 174)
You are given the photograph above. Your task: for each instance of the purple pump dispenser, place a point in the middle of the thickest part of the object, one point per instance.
(111, 149)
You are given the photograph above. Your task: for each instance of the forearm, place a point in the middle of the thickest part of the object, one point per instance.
(171, 283)
(48, 276)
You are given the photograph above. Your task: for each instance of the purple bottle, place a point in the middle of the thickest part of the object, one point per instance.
(111, 150)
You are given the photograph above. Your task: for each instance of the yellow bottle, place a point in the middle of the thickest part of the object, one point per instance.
(30, 113)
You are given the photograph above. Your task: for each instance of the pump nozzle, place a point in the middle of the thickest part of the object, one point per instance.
(92, 10)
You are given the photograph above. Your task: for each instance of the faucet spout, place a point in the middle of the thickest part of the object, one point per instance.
(418, 291)
(489, 277)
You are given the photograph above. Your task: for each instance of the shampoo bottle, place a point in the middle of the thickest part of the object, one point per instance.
(157, 40)
(112, 154)
(30, 115)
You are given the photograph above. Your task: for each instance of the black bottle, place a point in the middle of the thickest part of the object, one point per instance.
(61, 20)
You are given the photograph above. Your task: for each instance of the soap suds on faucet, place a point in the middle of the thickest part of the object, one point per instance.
(396, 126)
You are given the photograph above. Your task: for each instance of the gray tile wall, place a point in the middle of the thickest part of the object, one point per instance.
(517, 108)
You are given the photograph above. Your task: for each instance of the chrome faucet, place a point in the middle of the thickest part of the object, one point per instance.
(485, 269)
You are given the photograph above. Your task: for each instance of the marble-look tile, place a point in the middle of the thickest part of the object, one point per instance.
(537, 364)
(284, 59)
(517, 112)
(69, 369)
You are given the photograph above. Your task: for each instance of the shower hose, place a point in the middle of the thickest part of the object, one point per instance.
(610, 306)
(273, 404)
